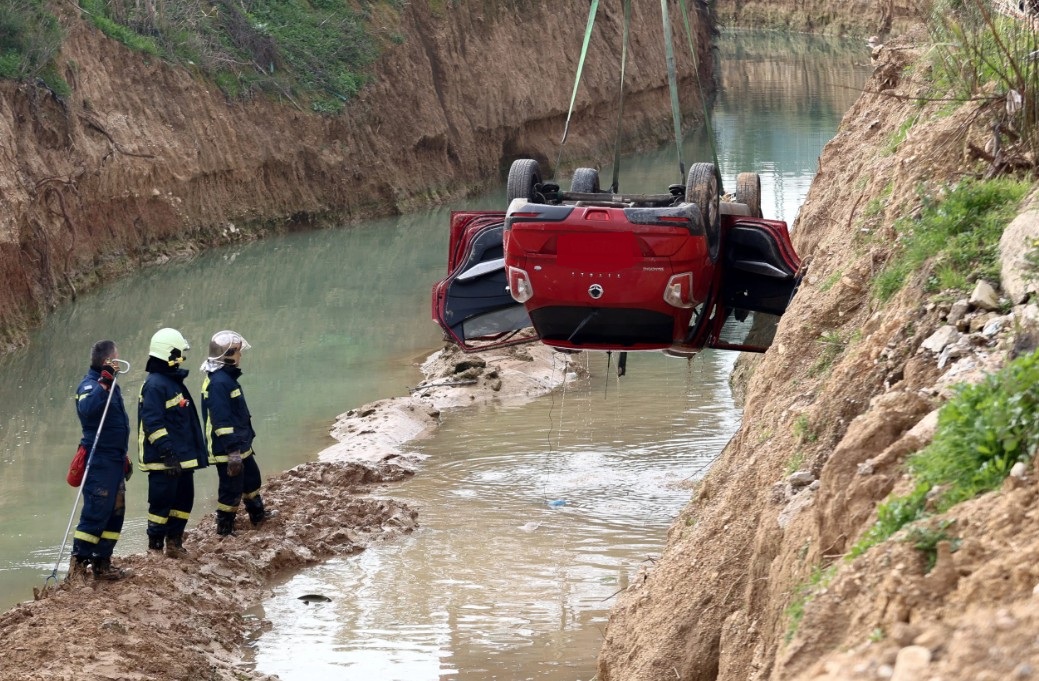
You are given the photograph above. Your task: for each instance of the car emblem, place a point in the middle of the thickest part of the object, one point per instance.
(595, 291)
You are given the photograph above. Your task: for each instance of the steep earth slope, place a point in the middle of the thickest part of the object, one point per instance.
(866, 17)
(144, 160)
(850, 389)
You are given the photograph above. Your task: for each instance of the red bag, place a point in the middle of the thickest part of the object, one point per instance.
(78, 467)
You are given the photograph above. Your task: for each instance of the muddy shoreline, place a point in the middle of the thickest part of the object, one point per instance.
(184, 619)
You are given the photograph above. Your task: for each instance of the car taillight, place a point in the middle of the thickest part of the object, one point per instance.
(519, 285)
(679, 290)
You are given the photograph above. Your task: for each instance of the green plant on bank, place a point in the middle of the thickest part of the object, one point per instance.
(830, 281)
(30, 37)
(900, 135)
(926, 540)
(1032, 260)
(794, 463)
(819, 579)
(982, 432)
(315, 51)
(833, 345)
(980, 53)
(956, 236)
(803, 429)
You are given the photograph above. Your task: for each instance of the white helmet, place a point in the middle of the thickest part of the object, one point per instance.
(222, 348)
(169, 346)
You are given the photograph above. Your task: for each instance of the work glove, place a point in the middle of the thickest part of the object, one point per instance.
(127, 469)
(234, 464)
(107, 377)
(169, 459)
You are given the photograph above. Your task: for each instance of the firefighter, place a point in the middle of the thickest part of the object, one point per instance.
(104, 489)
(171, 442)
(229, 432)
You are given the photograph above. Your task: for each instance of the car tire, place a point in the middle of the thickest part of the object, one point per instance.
(524, 176)
(748, 191)
(702, 188)
(585, 181)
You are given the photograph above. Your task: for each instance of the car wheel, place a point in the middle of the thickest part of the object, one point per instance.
(702, 188)
(748, 191)
(524, 176)
(585, 181)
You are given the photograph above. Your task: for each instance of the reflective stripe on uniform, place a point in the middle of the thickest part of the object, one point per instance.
(183, 515)
(174, 401)
(222, 458)
(114, 536)
(83, 396)
(153, 467)
(225, 507)
(152, 518)
(237, 392)
(86, 537)
(224, 431)
(252, 495)
(161, 432)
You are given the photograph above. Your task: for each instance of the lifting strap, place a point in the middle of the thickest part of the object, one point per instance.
(672, 84)
(577, 79)
(699, 85)
(615, 186)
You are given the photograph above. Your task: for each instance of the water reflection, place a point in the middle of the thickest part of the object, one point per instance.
(532, 518)
(499, 582)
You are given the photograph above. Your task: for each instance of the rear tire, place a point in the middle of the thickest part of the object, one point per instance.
(524, 175)
(702, 188)
(585, 181)
(748, 191)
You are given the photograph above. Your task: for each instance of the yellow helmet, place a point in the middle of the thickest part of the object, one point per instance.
(169, 346)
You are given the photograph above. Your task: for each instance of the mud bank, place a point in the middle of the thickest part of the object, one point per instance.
(144, 161)
(183, 619)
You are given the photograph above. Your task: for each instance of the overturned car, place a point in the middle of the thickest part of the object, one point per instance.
(590, 270)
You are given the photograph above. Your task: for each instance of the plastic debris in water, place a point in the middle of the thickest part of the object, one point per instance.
(556, 503)
(314, 598)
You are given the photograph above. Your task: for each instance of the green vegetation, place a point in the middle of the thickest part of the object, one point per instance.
(30, 37)
(926, 540)
(803, 430)
(830, 281)
(982, 432)
(314, 52)
(833, 345)
(899, 135)
(981, 54)
(956, 236)
(795, 612)
(797, 459)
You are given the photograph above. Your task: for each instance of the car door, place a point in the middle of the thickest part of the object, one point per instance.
(759, 276)
(472, 304)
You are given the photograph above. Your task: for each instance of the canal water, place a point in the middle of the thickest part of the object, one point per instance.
(532, 518)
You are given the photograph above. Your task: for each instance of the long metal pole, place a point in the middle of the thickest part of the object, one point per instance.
(86, 472)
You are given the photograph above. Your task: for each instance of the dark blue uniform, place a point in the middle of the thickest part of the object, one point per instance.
(229, 428)
(104, 489)
(168, 429)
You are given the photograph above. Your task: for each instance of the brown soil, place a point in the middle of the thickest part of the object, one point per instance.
(722, 601)
(143, 161)
(183, 619)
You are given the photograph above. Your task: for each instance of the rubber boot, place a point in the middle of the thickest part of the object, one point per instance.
(79, 568)
(155, 542)
(258, 514)
(104, 570)
(175, 547)
(225, 524)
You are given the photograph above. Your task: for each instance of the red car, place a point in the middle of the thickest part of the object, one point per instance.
(593, 270)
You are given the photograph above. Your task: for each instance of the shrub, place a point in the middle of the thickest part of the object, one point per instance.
(30, 37)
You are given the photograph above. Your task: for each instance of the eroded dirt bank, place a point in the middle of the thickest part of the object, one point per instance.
(182, 619)
(849, 390)
(144, 160)
(864, 17)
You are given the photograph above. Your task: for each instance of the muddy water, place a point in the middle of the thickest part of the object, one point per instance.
(533, 518)
(499, 582)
